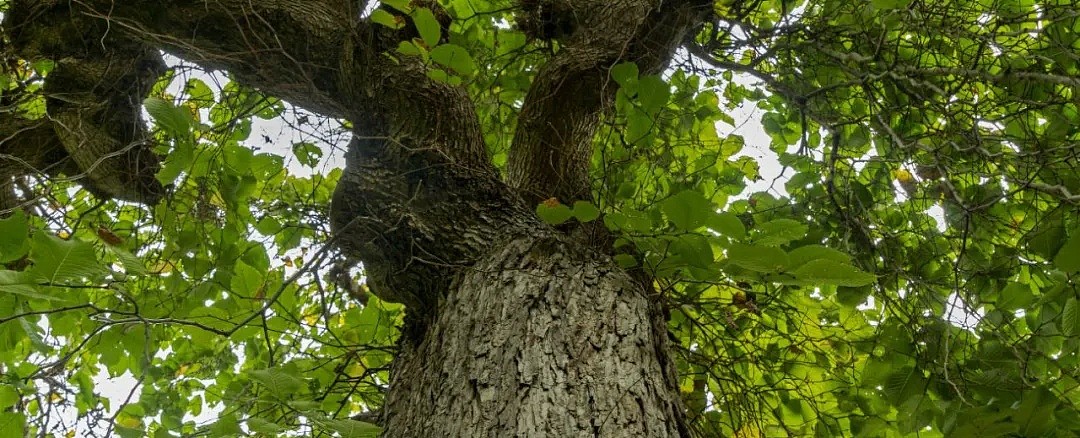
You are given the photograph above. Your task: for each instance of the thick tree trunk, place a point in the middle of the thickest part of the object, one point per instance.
(514, 328)
(539, 338)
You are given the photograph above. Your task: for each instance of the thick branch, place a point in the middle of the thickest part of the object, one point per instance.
(552, 146)
(93, 99)
(290, 49)
(316, 54)
(27, 147)
(419, 198)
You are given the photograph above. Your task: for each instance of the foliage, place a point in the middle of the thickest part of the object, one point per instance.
(916, 273)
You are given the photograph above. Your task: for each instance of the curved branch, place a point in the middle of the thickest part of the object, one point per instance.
(417, 163)
(93, 99)
(552, 147)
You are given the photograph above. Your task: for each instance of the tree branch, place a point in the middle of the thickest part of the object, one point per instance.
(286, 48)
(552, 148)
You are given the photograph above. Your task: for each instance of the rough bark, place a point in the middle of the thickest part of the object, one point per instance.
(539, 338)
(515, 329)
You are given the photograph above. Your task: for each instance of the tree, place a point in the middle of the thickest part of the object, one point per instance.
(551, 231)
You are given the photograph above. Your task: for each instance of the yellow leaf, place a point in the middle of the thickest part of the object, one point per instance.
(748, 431)
(355, 370)
(903, 176)
(193, 109)
(128, 421)
(161, 267)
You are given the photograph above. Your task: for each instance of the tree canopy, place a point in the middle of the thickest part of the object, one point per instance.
(913, 270)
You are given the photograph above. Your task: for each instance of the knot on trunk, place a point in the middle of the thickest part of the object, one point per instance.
(417, 220)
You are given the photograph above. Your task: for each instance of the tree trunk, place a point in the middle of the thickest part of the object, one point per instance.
(514, 328)
(539, 338)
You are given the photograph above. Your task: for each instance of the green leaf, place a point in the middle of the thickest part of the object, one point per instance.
(246, 280)
(43, 66)
(1068, 257)
(16, 277)
(305, 405)
(625, 74)
(59, 261)
(238, 159)
(728, 224)
(400, 5)
(1070, 318)
(172, 119)
(904, 384)
(803, 254)
(350, 428)
(226, 426)
(308, 154)
(554, 213)
(653, 93)
(628, 222)
(1035, 415)
(427, 25)
(411, 49)
(454, 57)
(440, 75)
(764, 259)
(14, 237)
(178, 161)
(262, 426)
(132, 264)
(692, 250)
(625, 261)
(585, 211)
(1046, 239)
(9, 396)
(852, 296)
(27, 291)
(1015, 296)
(825, 271)
(688, 210)
(199, 93)
(12, 425)
(268, 226)
(278, 381)
(385, 18)
(889, 4)
(779, 231)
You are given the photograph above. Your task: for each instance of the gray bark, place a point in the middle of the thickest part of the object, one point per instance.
(539, 338)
